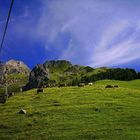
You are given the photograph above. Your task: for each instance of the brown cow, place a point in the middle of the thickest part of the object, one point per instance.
(116, 86)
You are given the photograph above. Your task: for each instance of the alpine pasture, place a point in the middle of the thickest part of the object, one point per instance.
(74, 113)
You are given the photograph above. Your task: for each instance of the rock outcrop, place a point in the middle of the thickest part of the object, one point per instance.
(38, 77)
(14, 66)
(43, 74)
(16, 72)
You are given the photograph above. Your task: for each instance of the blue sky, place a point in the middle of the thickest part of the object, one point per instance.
(86, 32)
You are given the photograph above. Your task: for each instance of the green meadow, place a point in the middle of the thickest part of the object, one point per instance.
(74, 113)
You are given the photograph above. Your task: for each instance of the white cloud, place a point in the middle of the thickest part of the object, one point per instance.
(97, 30)
(96, 27)
(119, 53)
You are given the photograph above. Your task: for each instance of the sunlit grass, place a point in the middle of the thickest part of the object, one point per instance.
(74, 113)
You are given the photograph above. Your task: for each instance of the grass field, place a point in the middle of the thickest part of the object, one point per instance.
(74, 113)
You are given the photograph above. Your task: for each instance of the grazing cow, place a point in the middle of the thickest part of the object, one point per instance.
(81, 84)
(62, 85)
(109, 86)
(3, 98)
(53, 85)
(116, 86)
(40, 90)
(21, 89)
(10, 94)
(49, 85)
(90, 84)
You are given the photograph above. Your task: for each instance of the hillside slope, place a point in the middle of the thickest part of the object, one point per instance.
(74, 113)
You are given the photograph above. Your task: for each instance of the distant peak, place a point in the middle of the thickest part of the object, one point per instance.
(14, 62)
(55, 63)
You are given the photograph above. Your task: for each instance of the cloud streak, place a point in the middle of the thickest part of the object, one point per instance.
(124, 51)
(99, 35)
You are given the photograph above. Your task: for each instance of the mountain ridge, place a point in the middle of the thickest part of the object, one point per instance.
(63, 72)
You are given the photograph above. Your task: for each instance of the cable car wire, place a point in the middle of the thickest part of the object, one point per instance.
(5, 29)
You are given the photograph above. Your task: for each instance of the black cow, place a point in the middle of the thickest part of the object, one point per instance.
(109, 86)
(40, 90)
(3, 98)
(10, 94)
(62, 85)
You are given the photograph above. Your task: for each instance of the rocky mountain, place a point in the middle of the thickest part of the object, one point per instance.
(56, 73)
(15, 73)
(62, 72)
(16, 67)
(48, 73)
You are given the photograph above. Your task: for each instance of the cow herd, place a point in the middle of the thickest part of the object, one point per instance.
(112, 86)
(40, 90)
(66, 85)
(4, 97)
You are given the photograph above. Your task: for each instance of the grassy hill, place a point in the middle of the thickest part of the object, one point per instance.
(74, 113)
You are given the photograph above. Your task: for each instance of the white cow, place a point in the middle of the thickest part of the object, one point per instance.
(90, 84)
